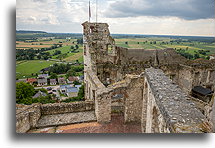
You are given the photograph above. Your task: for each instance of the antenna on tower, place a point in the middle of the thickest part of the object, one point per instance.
(89, 11)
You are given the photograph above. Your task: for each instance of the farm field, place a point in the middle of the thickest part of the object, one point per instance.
(43, 43)
(160, 43)
(50, 45)
(25, 68)
(70, 56)
(75, 56)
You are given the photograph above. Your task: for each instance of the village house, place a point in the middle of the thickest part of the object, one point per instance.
(39, 94)
(32, 80)
(21, 80)
(53, 82)
(71, 79)
(69, 90)
(78, 86)
(61, 80)
(72, 92)
(63, 88)
(43, 76)
(42, 81)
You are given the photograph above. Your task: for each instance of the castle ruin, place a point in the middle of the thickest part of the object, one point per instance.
(159, 89)
(153, 87)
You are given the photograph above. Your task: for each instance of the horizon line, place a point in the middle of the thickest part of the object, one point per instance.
(127, 34)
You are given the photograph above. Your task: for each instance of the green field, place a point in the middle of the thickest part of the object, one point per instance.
(25, 69)
(191, 47)
(70, 56)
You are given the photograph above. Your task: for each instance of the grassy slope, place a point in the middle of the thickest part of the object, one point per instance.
(29, 67)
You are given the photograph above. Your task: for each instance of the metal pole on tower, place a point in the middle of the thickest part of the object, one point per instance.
(89, 11)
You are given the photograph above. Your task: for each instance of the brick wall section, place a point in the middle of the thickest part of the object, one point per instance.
(178, 111)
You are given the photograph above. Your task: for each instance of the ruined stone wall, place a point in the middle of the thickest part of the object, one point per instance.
(188, 76)
(61, 108)
(153, 121)
(27, 117)
(172, 109)
(103, 105)
(213, 113)
(133, 101)
(131, 91)
(185, 78)
(159, 109)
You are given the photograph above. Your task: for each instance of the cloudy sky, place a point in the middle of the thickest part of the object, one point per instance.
(160, 17)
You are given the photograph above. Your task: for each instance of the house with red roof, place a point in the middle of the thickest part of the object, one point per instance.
(31, 80)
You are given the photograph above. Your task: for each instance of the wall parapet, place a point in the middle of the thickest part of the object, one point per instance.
(27, 116)
(60, 108)
(179, 112)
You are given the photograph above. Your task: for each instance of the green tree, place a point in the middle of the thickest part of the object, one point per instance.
(80, 41)
(76, 83)
(70, 72)
(72, 47)
(24, 92)
(53, 75)
(81, 92)
(196, 56)
(76, 46)
(39, 57)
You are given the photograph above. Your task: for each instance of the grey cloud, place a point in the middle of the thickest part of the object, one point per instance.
(185, 9)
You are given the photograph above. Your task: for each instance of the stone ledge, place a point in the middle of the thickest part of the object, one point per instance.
(67, 118)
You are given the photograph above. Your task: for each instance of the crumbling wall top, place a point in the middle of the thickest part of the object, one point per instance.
(178, 110)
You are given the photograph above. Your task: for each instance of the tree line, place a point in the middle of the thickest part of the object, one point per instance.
(30, 54)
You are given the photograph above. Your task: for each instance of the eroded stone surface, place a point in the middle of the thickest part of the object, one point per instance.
(116, 125)
(67, 118)
(177, 109)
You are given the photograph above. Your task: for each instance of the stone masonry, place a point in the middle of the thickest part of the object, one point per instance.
(170, 109)
(147, 87)
(160, 101)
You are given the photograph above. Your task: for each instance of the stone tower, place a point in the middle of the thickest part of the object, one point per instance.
(97, 40)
